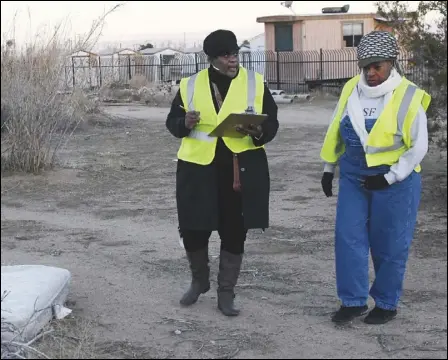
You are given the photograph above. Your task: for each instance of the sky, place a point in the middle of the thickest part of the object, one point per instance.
(137, 22)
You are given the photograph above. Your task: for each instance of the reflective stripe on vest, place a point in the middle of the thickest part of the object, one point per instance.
(200, 135)
(393, 135)
(251, 92)
(190, 91)
(401, 117)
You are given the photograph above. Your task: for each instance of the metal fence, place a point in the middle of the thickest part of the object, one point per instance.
(293, 72)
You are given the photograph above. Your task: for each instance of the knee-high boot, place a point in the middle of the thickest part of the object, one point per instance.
(200, 273)
(229, 271)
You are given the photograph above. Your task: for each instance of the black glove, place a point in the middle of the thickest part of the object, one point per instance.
(375, 182)
(327, 183)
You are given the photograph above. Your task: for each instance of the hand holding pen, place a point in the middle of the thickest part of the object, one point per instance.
(191, 118)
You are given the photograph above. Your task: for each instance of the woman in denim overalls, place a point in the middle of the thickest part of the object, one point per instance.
(377, 206)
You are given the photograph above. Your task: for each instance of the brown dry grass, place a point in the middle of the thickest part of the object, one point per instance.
(37, 118)
(37, 114)
(70, 338)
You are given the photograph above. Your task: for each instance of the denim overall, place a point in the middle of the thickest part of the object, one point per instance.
(381, 221)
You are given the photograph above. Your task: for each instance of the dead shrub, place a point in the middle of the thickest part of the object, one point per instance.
(38, 114)
(151, 94)
(138, 81)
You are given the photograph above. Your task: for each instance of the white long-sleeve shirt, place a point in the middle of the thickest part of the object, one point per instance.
(399, 171)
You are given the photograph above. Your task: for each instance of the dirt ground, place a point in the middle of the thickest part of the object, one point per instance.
(108, 215)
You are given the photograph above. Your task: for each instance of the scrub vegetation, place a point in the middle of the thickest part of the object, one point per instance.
(427, 41)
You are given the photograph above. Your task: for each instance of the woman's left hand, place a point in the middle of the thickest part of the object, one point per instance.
(251, 130)
(375, 182)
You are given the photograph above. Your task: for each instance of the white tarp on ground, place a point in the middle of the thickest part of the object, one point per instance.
(35, 294)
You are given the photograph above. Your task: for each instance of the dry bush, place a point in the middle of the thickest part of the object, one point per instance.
(151, 94)
(157, 94)
(428, 44)
(37, 115)
(36, 112)
(437, 116)
(437, 127)
(138, 81)
(85, 103)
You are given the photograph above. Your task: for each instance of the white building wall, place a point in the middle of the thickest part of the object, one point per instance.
(258, 43)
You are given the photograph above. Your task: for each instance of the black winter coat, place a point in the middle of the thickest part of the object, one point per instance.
(197, 185)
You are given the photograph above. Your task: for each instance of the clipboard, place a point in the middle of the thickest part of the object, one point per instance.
(227, 127)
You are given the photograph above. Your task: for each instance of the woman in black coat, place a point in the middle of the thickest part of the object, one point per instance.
(206, 196)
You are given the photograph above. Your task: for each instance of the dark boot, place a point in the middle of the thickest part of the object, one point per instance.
(200, 273)
(229, 271)
(380, 316)
(347, 314)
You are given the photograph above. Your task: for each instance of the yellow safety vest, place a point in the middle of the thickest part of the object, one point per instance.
(391, 135)
(246, 92)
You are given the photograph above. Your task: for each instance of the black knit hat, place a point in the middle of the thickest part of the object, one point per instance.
(219, 43)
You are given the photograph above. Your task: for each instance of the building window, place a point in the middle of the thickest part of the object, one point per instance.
(283, 37)
(352, 34)
(166, 59)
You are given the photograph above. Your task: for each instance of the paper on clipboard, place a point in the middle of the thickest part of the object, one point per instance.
(227, 127)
